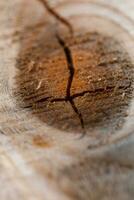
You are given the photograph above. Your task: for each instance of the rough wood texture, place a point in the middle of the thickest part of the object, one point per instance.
(42, 154)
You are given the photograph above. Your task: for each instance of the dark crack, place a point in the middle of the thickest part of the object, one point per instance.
(79, 116)
(99, 90)
(70, 65)
(56, 15)
(43, 99)
(57, 100)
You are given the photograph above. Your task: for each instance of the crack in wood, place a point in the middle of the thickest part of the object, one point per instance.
(42, 99)
(78, 113)
(56, 15)
(99, 90)
(71, 68)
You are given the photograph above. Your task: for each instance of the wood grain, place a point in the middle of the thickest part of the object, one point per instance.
(44, 162)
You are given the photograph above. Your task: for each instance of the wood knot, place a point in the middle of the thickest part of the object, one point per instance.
(76, 84)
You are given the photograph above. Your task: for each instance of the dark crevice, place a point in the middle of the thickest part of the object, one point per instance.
(89, 92)
(37, 101)
(79, 116)
(56, 15)
(99, 90)
(70, 65)
(42, 100)
(58, 100)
